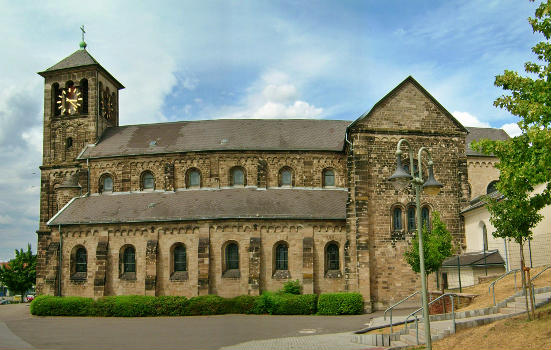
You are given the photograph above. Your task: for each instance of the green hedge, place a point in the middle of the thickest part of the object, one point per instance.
(141, 305)
(340, 304)
(286, 304)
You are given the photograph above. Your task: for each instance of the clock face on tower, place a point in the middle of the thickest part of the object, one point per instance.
(108, 106)
(69, 101)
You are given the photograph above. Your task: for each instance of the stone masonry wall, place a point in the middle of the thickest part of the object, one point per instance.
(408, 113)
(154, 245)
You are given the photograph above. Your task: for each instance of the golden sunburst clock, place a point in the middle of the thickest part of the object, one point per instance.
(69, 101)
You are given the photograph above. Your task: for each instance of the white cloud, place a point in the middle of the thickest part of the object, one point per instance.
(512, 129)
(468, 119)
(299, 109)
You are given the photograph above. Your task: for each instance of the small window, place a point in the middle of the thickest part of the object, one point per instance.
(425, 217)
(129, 260)
(69, 143)
(81, 261)
(411, 219)
(232, 256)
(106, 184)
(193, 178)
(100, 104)
(286, 177)
(492, 187)
(148, 181)
(282, 257)
(328, 178)
(332, 256)
(237, 176)
(397, 219)
(180, 262)
(84, 94)
(56, 99)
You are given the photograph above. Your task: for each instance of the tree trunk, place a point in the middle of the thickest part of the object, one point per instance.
(522, 265)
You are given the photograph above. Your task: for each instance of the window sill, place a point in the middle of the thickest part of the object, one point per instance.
(281, 275)
(128, 276)
(333, 274)
(232, 274)
(79, 277)
(179, 276)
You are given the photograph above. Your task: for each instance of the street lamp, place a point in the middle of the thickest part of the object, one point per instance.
(400, 180)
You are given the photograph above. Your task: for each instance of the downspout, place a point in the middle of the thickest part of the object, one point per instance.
(88, 177)
(60, 260)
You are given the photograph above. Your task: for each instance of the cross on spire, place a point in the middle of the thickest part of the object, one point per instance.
(82, 43)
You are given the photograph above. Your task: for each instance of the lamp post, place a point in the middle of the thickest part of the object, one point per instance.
(400, 180)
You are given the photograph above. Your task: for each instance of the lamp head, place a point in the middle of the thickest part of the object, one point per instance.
(431, 186)
(401, 178)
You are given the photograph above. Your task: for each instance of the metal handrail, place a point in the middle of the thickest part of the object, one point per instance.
(392, 307)
(532, 284)
(492, 285)
(451, 295)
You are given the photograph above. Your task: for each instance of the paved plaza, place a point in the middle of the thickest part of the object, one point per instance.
(20, 330)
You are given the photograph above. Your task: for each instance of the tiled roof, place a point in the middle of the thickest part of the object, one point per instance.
(203, 204)
(480, 201)
(477, 134)
(79, 58)
(221, 135)
(475, 258)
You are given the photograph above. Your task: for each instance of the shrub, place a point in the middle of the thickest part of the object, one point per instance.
(292, 287)
(46, 305)
(206, 305)
(285, 304)
(243, 304)
(340, 304)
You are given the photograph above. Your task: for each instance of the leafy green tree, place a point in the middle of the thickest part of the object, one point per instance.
(437, 246)
(19, 275)
(525, 160)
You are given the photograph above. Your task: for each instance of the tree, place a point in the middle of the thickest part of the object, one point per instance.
(19, 275)
(437, 246)
(525, 160)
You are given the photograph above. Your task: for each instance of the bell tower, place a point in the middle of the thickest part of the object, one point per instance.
(81, 100)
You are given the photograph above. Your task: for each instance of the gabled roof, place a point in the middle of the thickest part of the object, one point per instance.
(411, 80)
(79, 58)
(221, 135)
(205, 204)
(475, 259)
(477, 134)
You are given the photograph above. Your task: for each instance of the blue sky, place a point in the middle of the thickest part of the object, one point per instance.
(185, 60)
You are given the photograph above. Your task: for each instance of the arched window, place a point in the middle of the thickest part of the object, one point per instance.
(332, 257)
(492, 187)
(237, 176)
(484, 237)
(232, 256)
(425, 217)
(84, 95)
(56, 99)
(286, 177)
(328, 178)
(180, 260)
(397, 219)
(81, 261)
(129, 260)
(148, 181)
(69, 143)
(106, 183)
(411, 219)
(193, 178)
(282, 256)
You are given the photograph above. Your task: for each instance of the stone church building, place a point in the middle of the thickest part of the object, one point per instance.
(234, 207)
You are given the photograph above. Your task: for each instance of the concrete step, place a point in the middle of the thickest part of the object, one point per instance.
(397, 344)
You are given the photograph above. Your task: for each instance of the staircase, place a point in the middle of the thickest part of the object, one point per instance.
(442, 325)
